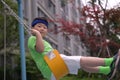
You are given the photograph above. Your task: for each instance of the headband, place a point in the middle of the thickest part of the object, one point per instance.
(39, 21)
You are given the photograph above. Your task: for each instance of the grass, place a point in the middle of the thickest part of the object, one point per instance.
(77, 78)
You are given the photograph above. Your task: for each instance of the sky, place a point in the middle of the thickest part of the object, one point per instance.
(111, 3)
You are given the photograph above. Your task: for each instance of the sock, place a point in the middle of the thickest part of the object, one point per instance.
(104, 70)
(108, 61)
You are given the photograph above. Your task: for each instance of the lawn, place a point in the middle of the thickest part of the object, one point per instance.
(76, 78)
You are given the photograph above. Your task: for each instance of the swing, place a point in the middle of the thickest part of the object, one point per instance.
(56, 64)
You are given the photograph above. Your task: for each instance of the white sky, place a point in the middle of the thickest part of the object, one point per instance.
(110, 4)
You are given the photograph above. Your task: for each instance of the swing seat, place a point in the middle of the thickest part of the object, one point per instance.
(56, 64)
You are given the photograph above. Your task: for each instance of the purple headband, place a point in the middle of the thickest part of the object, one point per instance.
(39, 21)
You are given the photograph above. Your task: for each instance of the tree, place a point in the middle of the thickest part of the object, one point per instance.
(102, 25)
(101, 30)
(8, 21)
(11, 25)
(12, 47)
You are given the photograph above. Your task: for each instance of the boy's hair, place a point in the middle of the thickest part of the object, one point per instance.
(39, 20)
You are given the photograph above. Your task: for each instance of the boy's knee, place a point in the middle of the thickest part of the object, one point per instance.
(82, 62)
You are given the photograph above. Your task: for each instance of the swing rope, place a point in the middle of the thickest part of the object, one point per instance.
(26, 27)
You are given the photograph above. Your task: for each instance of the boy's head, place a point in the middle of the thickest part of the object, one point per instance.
(41, 25)
(42, 20)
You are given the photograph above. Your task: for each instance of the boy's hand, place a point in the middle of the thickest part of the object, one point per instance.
(39, 41)
(35, 32)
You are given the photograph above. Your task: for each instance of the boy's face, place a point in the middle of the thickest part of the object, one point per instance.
(42, 28)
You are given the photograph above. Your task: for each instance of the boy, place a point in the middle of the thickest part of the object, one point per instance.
(39, 48)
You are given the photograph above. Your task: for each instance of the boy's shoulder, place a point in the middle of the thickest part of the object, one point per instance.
(31, 42)
(31, 37)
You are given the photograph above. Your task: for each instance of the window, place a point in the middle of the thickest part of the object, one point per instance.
(52, 43)
(66, 41)
(63, 3)
(51, 6)
(64, 12)
(55, 29)
(77, 38)
(41, 13)
(74, 14)
(67, 53)
(25, 10)
(41, 1)
(76, 50)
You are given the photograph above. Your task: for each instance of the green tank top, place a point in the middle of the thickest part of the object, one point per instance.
(39, 57)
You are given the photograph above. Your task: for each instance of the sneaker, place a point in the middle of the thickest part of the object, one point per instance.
(113, 66)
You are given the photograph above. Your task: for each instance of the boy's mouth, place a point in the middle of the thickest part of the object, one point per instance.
(41, 32)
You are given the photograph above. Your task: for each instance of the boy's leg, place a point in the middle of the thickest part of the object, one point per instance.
(107, 70)
(95, 61)
(98, 69)
(95, 65)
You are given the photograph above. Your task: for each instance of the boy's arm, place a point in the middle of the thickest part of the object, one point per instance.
(39, 41)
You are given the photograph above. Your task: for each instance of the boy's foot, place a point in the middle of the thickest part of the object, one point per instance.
(114, 66)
